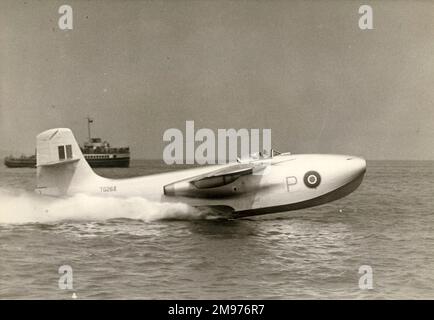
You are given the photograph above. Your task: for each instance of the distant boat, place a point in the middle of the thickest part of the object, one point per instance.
(20, 162)
(98, 153)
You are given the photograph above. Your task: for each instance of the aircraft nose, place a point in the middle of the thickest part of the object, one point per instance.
(357, 165)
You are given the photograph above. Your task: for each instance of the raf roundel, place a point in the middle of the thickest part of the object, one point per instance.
(312, 179)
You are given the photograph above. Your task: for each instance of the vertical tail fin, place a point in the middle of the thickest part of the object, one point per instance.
(61, 166)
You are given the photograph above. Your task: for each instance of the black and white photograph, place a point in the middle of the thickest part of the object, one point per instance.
(222, 150)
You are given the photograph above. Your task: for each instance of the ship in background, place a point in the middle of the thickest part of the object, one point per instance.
(20, 162)
(98, 153)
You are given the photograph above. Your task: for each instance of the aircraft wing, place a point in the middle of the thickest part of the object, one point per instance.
(235, 171)
(222, 176)
(246, 168)
(211, 184)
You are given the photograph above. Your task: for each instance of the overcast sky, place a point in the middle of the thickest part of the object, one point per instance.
(304, 69)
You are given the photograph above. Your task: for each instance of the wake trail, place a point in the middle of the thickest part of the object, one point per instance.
(18, 206)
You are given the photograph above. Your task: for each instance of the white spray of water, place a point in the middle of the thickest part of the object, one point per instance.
(20, 207)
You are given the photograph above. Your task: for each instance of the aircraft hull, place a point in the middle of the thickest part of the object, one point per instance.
(328, 197)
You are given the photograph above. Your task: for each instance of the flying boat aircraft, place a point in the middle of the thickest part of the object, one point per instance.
(256, 186)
